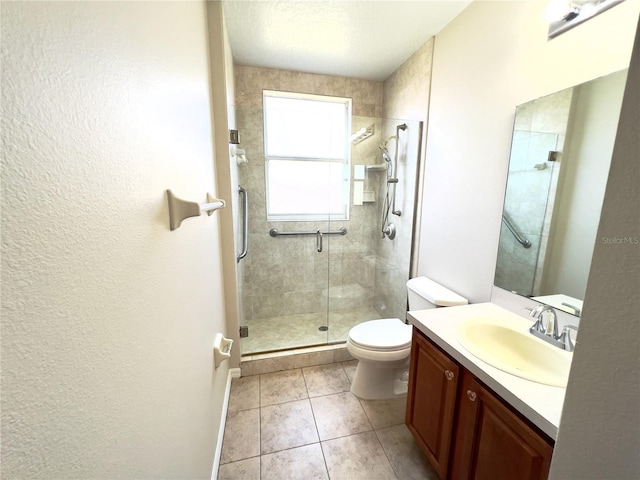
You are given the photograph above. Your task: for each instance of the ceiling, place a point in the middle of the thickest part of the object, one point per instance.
(367, 39)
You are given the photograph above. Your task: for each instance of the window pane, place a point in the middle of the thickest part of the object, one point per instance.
(305, 189)
(297, 127)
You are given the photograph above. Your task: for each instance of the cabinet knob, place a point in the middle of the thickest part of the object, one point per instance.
(448, 374)
(472, 395)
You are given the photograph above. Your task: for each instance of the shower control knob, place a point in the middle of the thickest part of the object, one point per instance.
(448, 374)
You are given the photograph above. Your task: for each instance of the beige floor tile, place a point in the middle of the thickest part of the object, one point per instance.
(405, 456)
(350, 368)
(280, 387)
(357, 457)
(297, 331)
(339, 415)
(242, 436)
(385, 413)
(248, 469)
(326, 379)
(297, 463)
(286, 425)
(245, 393)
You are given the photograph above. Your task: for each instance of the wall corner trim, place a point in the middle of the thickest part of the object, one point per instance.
(233, 373)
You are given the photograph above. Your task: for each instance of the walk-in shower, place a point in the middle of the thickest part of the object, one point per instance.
(308, 282)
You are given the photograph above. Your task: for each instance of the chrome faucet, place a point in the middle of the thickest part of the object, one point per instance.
(548, 330)
(550, 327)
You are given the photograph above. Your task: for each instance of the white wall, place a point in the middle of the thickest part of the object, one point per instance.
(223, 118)
(492, 57)
(108, 318)
(599, 434)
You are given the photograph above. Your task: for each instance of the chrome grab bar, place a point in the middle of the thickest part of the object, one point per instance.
(319, 235)
(275, 233)
(245, 224)
(522, 241)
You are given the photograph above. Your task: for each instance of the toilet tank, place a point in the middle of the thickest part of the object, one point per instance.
(424, 293)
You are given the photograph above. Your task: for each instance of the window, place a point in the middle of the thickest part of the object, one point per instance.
(308, 156)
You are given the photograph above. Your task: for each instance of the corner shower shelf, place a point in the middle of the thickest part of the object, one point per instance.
(181, 209)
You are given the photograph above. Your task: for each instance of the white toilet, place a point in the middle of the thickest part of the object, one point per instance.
(382, 347)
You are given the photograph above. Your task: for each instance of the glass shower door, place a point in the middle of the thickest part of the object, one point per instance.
(368, 271)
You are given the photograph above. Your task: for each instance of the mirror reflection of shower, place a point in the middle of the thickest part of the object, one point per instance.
(391, 185)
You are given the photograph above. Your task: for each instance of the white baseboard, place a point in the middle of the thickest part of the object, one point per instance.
(233, 373)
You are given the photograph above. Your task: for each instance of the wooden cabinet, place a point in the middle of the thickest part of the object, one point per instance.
(466, 430)
(492, 442)
(431, 398)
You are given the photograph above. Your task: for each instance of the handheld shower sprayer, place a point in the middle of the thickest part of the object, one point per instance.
(389, 206)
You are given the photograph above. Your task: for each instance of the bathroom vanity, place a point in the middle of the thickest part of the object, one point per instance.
(473, 420)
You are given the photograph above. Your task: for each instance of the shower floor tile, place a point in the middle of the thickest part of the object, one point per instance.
(296, 331)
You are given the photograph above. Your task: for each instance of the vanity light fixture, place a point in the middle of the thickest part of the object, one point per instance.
(563, 15)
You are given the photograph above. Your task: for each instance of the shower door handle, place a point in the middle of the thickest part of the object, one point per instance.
(245, 224)
(319, 241)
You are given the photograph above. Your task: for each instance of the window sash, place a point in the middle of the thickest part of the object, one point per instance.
(295, 126)
(314, 190)
(298, 145)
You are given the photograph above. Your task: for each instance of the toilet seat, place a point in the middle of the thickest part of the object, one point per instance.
(384, 335)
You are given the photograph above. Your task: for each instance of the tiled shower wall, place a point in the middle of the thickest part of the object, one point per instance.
(406, 96)
(286, 275)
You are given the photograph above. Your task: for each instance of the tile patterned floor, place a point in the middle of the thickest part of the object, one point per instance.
(305, 424)
(296, 331)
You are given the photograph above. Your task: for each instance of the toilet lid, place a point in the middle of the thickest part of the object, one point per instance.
(384, 334)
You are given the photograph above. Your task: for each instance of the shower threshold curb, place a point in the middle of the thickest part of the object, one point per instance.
(297, 358)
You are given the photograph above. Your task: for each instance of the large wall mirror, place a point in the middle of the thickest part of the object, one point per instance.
(560, 156)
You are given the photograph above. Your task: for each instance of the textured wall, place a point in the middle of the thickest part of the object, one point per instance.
(599, 434)
(108, 318)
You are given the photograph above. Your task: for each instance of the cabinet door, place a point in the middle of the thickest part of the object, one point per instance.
(433, 382)
(492, 442)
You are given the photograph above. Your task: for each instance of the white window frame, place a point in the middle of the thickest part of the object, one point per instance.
(345, 159)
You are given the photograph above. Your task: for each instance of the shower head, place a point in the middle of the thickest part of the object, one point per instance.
(385, 155)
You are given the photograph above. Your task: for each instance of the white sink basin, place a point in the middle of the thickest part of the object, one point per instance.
(510, 347)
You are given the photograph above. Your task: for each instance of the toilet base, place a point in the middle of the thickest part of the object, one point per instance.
(374, 382)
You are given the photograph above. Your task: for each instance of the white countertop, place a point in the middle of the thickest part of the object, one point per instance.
(541, 404)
